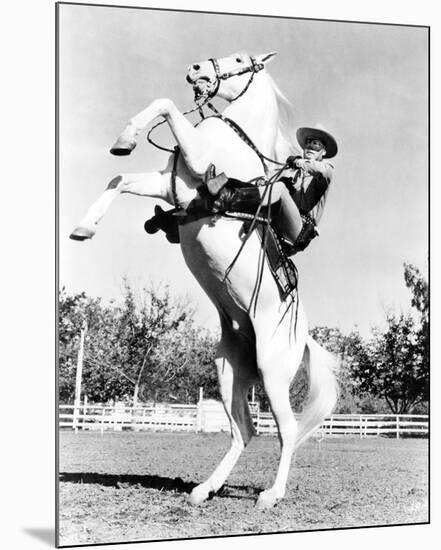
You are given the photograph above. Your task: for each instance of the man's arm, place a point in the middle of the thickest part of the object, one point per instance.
(315, 167)
(321, 172)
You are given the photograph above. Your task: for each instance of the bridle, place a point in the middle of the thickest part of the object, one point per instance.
(204, 99)
(253, 69)
(267, 182)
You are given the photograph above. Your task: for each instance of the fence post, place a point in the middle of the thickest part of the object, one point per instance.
(258, 418)
(102, 420)
(199, 416)
(398, 427)
(84, 421)
(79, 375)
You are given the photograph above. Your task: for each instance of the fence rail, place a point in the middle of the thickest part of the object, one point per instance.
(362, 425)
(209, 416)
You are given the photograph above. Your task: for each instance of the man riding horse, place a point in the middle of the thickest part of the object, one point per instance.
(298, 198)
(264, 328)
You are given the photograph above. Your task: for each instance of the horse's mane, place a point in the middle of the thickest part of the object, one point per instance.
(285, 143)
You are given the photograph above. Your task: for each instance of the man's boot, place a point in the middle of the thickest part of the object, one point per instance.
(245, 199)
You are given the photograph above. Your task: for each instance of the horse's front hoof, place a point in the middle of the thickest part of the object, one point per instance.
(82, 233)
(267, 499)
(123, 147)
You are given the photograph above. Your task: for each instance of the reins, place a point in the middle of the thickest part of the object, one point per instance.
(253, 69)
(197, 108)
(266, 182)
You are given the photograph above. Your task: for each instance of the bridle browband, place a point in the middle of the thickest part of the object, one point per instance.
(253, 69)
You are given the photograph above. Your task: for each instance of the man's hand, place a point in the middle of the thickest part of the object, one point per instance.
(301, 163)
(291, 161)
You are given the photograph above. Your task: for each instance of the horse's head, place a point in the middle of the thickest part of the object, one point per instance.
(228, 77)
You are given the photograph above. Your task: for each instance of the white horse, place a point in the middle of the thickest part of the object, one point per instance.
(259, 341)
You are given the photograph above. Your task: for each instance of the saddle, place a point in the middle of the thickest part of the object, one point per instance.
(231, 198)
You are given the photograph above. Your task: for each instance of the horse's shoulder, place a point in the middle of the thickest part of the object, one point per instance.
(218, 131)
(212, 123)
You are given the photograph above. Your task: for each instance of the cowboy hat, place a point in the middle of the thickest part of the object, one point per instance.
(318, 132)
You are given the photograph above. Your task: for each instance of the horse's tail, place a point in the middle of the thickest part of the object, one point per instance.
(323, 389)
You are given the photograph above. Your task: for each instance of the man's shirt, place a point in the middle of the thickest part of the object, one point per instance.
(309, 187)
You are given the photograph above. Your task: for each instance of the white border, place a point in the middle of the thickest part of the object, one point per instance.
(27, 144)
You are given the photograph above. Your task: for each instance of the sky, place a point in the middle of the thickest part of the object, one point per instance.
(366, 83)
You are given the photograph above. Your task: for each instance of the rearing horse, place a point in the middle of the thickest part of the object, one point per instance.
(259, 341)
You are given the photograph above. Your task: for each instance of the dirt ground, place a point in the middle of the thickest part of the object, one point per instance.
(120, 487)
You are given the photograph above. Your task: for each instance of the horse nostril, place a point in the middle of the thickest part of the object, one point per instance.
(196, 67)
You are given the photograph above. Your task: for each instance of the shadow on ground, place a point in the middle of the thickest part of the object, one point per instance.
(149, 482)
(154, 482)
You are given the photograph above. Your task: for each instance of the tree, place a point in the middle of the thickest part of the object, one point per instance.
(99, 379)
(147, 332)
(420, 301)
(419, 288)
(394, 364)
(146, 347)
(349, 350)
(390, 367)
(70, 319)
(184, 361)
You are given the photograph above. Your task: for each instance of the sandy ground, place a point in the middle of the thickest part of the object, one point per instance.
(120, 487)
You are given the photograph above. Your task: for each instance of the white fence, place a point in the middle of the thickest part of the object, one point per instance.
(362, 425)
(117, 418)
(209, 416)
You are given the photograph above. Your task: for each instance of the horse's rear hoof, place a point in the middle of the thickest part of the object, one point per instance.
(267, 500)
(82, 233)
(199, 495)
(123, 148)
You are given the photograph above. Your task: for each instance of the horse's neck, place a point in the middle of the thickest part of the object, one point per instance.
(256, 113)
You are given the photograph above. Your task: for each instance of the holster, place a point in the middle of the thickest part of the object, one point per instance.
(308, 232)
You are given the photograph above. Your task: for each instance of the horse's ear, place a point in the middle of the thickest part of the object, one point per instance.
(265, 57)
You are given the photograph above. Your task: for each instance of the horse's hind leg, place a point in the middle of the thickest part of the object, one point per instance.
(277, 390)
(278, 362)
(236, 370)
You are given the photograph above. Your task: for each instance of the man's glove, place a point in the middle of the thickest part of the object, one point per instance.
(291, 161)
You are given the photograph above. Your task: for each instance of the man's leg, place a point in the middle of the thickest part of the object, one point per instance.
(288, 219)
(284, 210)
